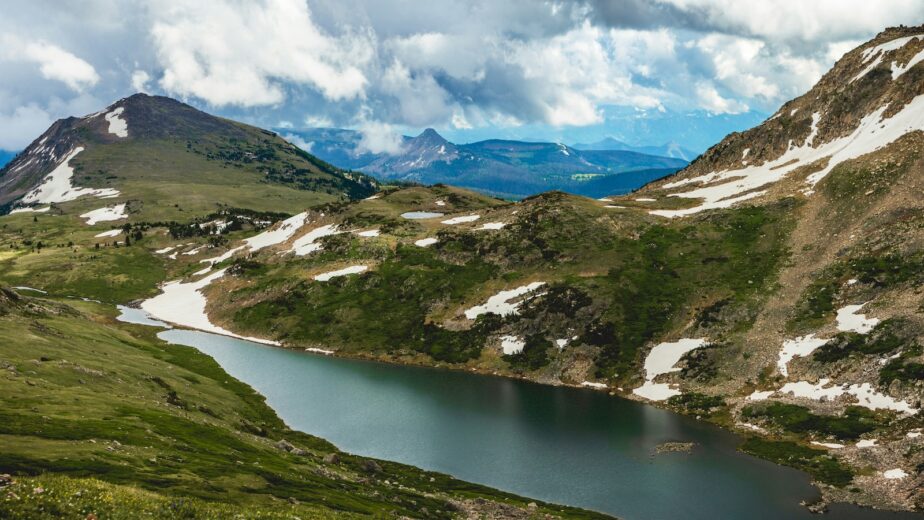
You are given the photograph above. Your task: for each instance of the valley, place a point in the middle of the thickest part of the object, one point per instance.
(771, 288)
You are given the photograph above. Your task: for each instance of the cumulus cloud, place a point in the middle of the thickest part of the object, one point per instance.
(140, 80)
(298, 141)
(242, 53)
(379, 137)
(53, 62)
(383, 65)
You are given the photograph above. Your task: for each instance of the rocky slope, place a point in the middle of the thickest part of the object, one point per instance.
(774, 286)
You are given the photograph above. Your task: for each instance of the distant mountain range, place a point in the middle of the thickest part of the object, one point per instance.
(512, 169)
(669, 149)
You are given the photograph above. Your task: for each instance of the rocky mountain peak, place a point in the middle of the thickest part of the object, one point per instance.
(871, 97)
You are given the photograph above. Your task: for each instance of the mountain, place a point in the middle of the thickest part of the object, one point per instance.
(670, 149)
(773, 286)
(6, 156)
(498, 167)
(160, 154)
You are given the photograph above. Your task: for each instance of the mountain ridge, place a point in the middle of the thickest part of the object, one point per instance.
(495, 166)
(144, 123)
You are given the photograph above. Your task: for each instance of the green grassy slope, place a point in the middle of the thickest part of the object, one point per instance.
(114, 422)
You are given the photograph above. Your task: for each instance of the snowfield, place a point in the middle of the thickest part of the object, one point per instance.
(487, 226)
(57, 185)
(500, 303)
(849, 321)
(117, 125)
(661, 360)
(278, 234)
(512, 345)
(866, 396)
(184, 304)
(306, 244)
(106, 214)
(108, 234)
(353, 269)
(461, 220)
(872, 133)
(801, 346)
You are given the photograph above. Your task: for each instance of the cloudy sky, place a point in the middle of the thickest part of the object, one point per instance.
(640, 70)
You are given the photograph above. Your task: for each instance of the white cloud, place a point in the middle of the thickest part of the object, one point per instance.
(379, 137)
(140, 80)
(710, 99)
(299, 142)
(18, 128)
(54, 62)
(232, 53)
(318, 121)
(818, 20)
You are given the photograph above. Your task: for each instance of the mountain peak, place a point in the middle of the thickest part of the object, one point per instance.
(431, 135)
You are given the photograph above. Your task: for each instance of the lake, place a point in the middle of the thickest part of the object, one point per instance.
(558, 444)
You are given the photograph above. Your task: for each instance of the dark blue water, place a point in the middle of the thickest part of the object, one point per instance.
(564, 445)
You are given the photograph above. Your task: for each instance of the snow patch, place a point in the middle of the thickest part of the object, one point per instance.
(106, 214)
(830, 445)
(894, 474)
(898, 70)
(353, 269)
(307, 244)
(279, 234)
(491, 226)
(117, 125)
(369, 234)
(872, 133)
(849, 321)
(661, 360)
(30, 210)
(512, 345)
(460, 220)
(184, 304)
(425, 242)
(316, 350)
(591, 384)
(500, 303)
(801, 346)
(108, 234)
(866, 396)
(867, 443)
(57, 186)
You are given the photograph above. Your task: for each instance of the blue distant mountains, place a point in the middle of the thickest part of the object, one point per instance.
(512, 169)
(6, 156)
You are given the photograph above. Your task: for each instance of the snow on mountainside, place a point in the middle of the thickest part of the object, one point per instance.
(872, 97)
